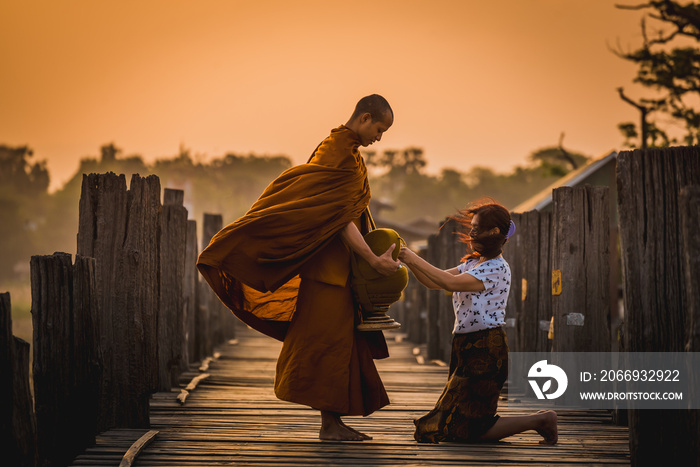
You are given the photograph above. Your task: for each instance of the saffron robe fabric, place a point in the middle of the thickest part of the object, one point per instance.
(324, 362)
(257, 264)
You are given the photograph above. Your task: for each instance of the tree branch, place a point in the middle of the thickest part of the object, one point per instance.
(565, 154)
(630, 101)
(643, 111)
(633, 7)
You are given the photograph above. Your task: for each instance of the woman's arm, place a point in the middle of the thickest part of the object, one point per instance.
(425, 280)
(433, 277)
(384, 264)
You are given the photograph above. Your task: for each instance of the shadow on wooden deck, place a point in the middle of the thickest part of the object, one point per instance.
(234, 418)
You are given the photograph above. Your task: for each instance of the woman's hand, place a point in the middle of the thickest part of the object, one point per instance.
(406, 254)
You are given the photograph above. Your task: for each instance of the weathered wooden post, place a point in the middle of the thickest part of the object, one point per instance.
(6, 382)
(451, 251)
(513, 253)
(445, 320)
(17, 422)
(544, 307)
(416, 310)
(120, 229)
(215, 323)
(433, 303)
(690, 226)
(206, 321)
(23, 418)
(66, 355)
(690, 232)
(581, 269)
(171, 338)
(653, 266)
(190, 279)
(534, 268)
(101, 230)
(87, 350)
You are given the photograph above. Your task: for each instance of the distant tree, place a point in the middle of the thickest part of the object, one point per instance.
(230, 185)
(435, 197)
(23, 207)
(668, 64)
(401, 162)
(19, 174)
(396, 166)
(556, 162)
(429, 197)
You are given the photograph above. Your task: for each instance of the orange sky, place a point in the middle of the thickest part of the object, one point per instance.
(472, 83)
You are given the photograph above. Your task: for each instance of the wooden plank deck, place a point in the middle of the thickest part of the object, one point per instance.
(234, 418)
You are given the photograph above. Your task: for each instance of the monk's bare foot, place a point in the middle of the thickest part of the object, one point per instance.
(548, 427)
(364, 436)
(337, 432)
(333, 429)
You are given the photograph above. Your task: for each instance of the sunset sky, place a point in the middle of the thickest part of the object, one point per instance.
(472, 83)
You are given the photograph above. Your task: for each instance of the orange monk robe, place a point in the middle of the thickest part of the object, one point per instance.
(254, 266)
(252, 263)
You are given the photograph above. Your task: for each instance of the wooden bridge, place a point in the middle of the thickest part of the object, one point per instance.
(234, 418)
(117, 332)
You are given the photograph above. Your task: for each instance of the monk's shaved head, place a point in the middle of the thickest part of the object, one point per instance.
(375, 105)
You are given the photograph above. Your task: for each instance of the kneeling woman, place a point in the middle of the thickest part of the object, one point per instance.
(466, 410)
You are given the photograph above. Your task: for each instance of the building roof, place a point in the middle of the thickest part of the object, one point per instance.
(573, 178)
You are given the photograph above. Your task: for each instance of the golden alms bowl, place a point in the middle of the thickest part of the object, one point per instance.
(372, 291)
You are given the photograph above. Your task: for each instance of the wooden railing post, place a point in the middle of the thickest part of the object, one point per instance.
(216, 323)
(581, 269)
(690, 231)
(690, 226)
(120, 229)
(544, 307)
(444, 251)
(433, 303)
(23, 418)
(17, 421)
(66, 356)
(191, 279)
(534, 268)
(528, 325)
(415, 297)
(87, 350)
(6, 383)
(513, 254)
(654, 275)
(171, 338)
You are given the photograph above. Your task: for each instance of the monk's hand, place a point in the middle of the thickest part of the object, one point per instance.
(386, 264)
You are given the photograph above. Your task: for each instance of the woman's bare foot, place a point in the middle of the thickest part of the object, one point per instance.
(333, 429)
(548, 427)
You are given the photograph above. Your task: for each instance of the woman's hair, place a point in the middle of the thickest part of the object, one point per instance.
(483, 243)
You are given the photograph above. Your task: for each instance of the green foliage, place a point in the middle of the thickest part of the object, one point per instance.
(556, 162)
(417, 195)
(228, 185)
(23, 206)
(36, 222)
(668, 68)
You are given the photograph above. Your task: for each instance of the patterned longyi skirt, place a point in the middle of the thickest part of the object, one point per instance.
(467, 407)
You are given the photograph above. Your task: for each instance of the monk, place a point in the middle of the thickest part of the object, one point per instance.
(284, 268)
